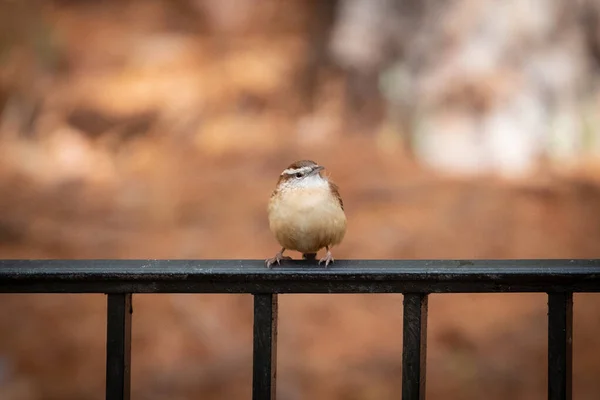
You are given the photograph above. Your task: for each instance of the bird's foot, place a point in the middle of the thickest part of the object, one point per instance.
(327, 259)
(276, 259)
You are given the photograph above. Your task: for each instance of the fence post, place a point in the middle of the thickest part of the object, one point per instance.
(560, 345)
(264, 367)
(414, 346)
(118, 346)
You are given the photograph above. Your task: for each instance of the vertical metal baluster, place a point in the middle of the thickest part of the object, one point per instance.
(118, 346)
(264, 368)
(414, 346)
(560, 342)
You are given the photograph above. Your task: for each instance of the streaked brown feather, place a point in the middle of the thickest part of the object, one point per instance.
(301, 164)
(336, 192)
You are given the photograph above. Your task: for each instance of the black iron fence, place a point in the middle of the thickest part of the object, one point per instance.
(119, 279)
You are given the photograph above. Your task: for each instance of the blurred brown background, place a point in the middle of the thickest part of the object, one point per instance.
(157, 129)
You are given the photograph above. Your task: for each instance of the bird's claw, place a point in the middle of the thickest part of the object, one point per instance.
(327, 259)
(276, 259)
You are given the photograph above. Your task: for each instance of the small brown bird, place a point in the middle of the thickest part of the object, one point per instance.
(306, 213)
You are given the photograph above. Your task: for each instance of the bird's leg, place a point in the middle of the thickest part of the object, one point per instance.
(309, 256)
(277, 259)
(327, 259)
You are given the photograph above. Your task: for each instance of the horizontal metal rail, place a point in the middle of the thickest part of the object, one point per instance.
(251, 276)
(415, 279)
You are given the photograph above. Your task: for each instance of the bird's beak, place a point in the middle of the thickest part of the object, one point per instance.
(318, 169)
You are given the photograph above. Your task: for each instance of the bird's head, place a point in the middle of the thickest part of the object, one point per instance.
(302, 174)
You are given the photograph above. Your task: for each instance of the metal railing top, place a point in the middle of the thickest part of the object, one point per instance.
(344, 276)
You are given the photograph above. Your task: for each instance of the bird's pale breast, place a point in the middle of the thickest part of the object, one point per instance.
(307, 220)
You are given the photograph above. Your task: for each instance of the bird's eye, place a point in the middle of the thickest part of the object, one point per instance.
(299, 174)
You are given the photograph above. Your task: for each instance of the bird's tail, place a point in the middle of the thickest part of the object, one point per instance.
(309, 256)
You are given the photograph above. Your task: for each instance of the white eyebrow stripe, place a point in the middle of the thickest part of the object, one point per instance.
(292, 171)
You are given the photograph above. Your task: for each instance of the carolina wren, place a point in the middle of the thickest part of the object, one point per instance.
(306, 213)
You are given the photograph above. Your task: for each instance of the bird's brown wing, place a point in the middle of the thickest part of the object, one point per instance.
(336, 193)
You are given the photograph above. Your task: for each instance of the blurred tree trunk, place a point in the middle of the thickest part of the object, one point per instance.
(321, 19)
(28, 59)
(368, 35)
